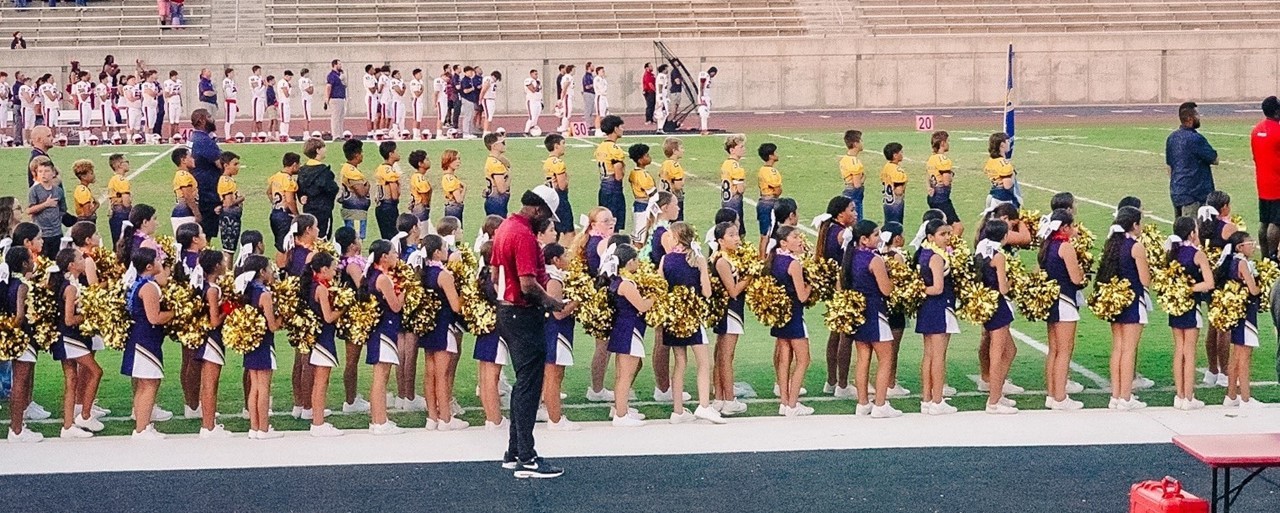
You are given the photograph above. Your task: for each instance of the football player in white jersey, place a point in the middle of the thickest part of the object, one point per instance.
(602, 97)
(284, 102)
(172, 89)
(51, 100)
(102, 92)
(532, 99)
(5, 92)
(133, 107)
(489, 95)
(82, 91)
(307, 88)
(384, 97)
(440, 97)
(395, 102)
(229, 98)
(565, 103)
(370, 84)
(704, 97)
(150, 101)
(662, 108)
(258, 87)
(28, 97)
(418, 98)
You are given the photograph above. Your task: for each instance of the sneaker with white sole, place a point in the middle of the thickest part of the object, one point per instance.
(1210, 378)
(27, 436)
(542, 415)
(191, 413)
(631, 412)
(74, 432)
(1252, 404)
(38, 407)
(1008, 402)
(1066, 404)
(682, 417)
(897, 391)
(418, 403)
(537, 469)
(845, 392)
(983, 386)
(603, 396)
(1221, 380)
(1074, 387)
(862, 409)
(501, 425)
(100, 411)
(564, 425)
(298, 411)
(708, 414)
(1142, 383)
(147, 434)
(733, 407)
(307, 414)
(453, 424)
(1000, 409)
(884, 412)
(744, 390)
(926, 408)
(454, 408)
(35, 412)
(159, 414)
(802, 410)
(660, 396)
(828, 388)
(431, 425)
(948, 391)
(944, 408)
(270, 434)
(1194, 404)
(777, 391)
(357, 406)
(627, 421)
(325, 430)
(1010, 389)
(1130, 404)
(385, 429)
(1231, 402)
(90, 424)
(218, 431)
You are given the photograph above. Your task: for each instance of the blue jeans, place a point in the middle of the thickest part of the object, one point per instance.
(176, 16)
(363, 225)
(6, 379)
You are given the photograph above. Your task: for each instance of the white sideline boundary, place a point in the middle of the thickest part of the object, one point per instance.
(102, 198)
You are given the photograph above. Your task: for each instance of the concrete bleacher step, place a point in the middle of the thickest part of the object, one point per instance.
(105, 23)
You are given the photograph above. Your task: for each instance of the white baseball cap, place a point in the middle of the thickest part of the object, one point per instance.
(549, 197)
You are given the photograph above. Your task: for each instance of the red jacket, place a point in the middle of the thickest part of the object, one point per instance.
(650, 82)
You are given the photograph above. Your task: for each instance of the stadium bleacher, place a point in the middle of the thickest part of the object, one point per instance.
(348, 21)
(926, 17)
(132, 23)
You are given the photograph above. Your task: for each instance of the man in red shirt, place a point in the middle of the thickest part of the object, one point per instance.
(519, 277)
(650, 85)
(1265, 141)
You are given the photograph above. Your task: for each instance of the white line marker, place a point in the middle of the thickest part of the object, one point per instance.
(1096, 378)
(103, 197)
(886, 112)
(1127, 111)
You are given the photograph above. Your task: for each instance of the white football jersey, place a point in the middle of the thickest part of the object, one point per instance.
(492, 93)
(305, 85)
(103, 92)
(663, 83)
(258, 87)
(229, 88)
(26, 92)
(392, 85)
(534, 94)
(83, 92)
(150, 93)
(4, 92)
(602, 86)
(415, 88)
(566, 84)
(705, 80)
(370, 85)
(384, 88)
(133, 96)
(174, 87)
(284, 91)
(49, 92)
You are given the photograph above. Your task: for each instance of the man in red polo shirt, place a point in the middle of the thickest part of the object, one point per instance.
(519, 277)
(1265, 140)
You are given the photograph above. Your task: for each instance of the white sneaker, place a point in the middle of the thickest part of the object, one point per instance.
(1008, 402)
(325, 430)
(1001, 409)
(948, 391)
(244, 412)
(944, 408)
(708, 414)
(777, 391)
(357, 406)
(1113, 403)
(744, 390)
(564, 425)
(298, 411)
(270, 434)
(27, 436)
(733, 407)
(1210, 378)
(454, 424)
(802, 410)
(1222, 379)
(418, 403)
(1194, 404)
(90, 424)
(542, 415)
(385, 429)
(1074, 387)
(1010, 389)
(431, 424)
(1231, 402)
(149, 433)
(884, 412)
(34, 412)
(803, 391)
(682, 417)
(1131, 404)
(828, 388)
(1252, 404)
(159, 414)
(926, 408)
(631, 412)
(862, 409)
(983, 386)
(897, 391)
(627, 421)
(660, 396)
(454, 408)
(39, 408)
(786, 411)
(1142, 383)
(603, 396)
(501, 425)
(218, 431)
(1066, 404)
(846, 392)
(74, 432)
(94, 412)
(189, 413)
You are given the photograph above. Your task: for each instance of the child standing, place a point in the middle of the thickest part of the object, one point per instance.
(252, 280)
(381, 345)
(733, 179)
(497, 175)
(1124, 256)
(454, 189)
(865, 272)
(213, 354)
(558, 178)
(684, 266)
(672, 174)
(21, 263)
(626, 340)
(387, 177)
(991, 263)
(354, 193)
(420, 190)
(936, 320)
(86, 204)
(185, 208)
(1186, 327)
(725, 241)
(118, 194)
(442, 342)
(770, 182)
(792, 338)
(232, 203)
(1244, 335)
(852, 172)
(1059, 261)
(315, 285)
(559, 333)
(894, 181)
(143, 359)
(81, 373)
(642, 187)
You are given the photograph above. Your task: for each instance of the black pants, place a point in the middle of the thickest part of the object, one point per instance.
(18, 123)
(324, 220)
(522, 328)
(53, 244)
(650, 99)
(455, 111)
(386, 213)
(209, 222)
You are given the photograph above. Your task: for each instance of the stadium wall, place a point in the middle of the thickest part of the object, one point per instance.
(800, 73)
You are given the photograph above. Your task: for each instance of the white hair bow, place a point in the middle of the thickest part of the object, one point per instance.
(773, 221)
(175, 248)
(241, 255)
(992, 203)
(885, 237)
(67, 242)
(988, 248)
(125, 224)
(5, 243)
(585, 221)
(609, 264)
(4, 273)
(920, 235)
(1172, 241)
(1048, 227)
(711, 239)
(129, 277)
(288, 237)
(243, 280)
(1206, 213)
(1115, 228)
(395, 242)
(1226, 253)
(449, 242)
(847, 235)
(480, 240)
(337, 248)
(418, 258)
(196, 276)
(821, 218)
(554, 273)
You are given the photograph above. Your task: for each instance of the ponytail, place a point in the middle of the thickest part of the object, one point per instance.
(1109, 265)
(125, 248)
(1062, 216)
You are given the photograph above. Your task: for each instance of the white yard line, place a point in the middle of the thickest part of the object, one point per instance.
(103, 197)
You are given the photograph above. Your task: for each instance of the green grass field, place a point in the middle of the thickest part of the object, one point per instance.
(1100, 164)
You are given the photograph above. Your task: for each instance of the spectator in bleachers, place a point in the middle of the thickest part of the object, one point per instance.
(162, 9)
(18, 42)
(177, 18)
(649, 84)
(1189, 156)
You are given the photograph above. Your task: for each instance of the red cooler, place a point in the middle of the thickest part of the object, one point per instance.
(1164, 496)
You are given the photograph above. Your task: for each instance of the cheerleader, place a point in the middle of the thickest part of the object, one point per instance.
(252, 280)
(936, 320)
(84, 237)
(831, 242)
(299, 244)
(1058, 259)
(143, 359)
(991, 264)
(17, 269)
(212, 355)
(492, 354)
(405, 242)
(559, 335)
(251, 243)
(27, 235)
(1186, 327)
(316, 284)
(1123, 256)
(791, 339)
(864, 271)
(442, 341)
(684, 266)
(726, 240)
(81, 373)
(381, 345)
(599, 225)
(191, 241)
(662, 210)
(1018, 236)
(138, 232)
(891, 243)
(1215, 228)
(626, 339)
(1236, 266)
(351, 266)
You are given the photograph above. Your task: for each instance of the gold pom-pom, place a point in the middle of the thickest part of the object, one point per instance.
(243, 329)
(227, 284)
(1083, 244)
(1228, 305)
(106, 264)
(596, 313)
(1267, 274)
(1153, 241)
(1033, 292)
(1238, 220)
(43, 305)
(822, 275)
(769, 301)
(682, 311)
(358, 317)
(1031, 220)
(845, 312)
(478, 313)
(190, 320)
(421, 306)
(746, 259)
(977, 302)
(578, 285)
(105, 313)
(717, 304)
(13, 341)
(167, 245)
(1110, 298)
(300, 321)
(908, 287)
(959, 262)
(652, 286)
(1172, 286)
(328, 248)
